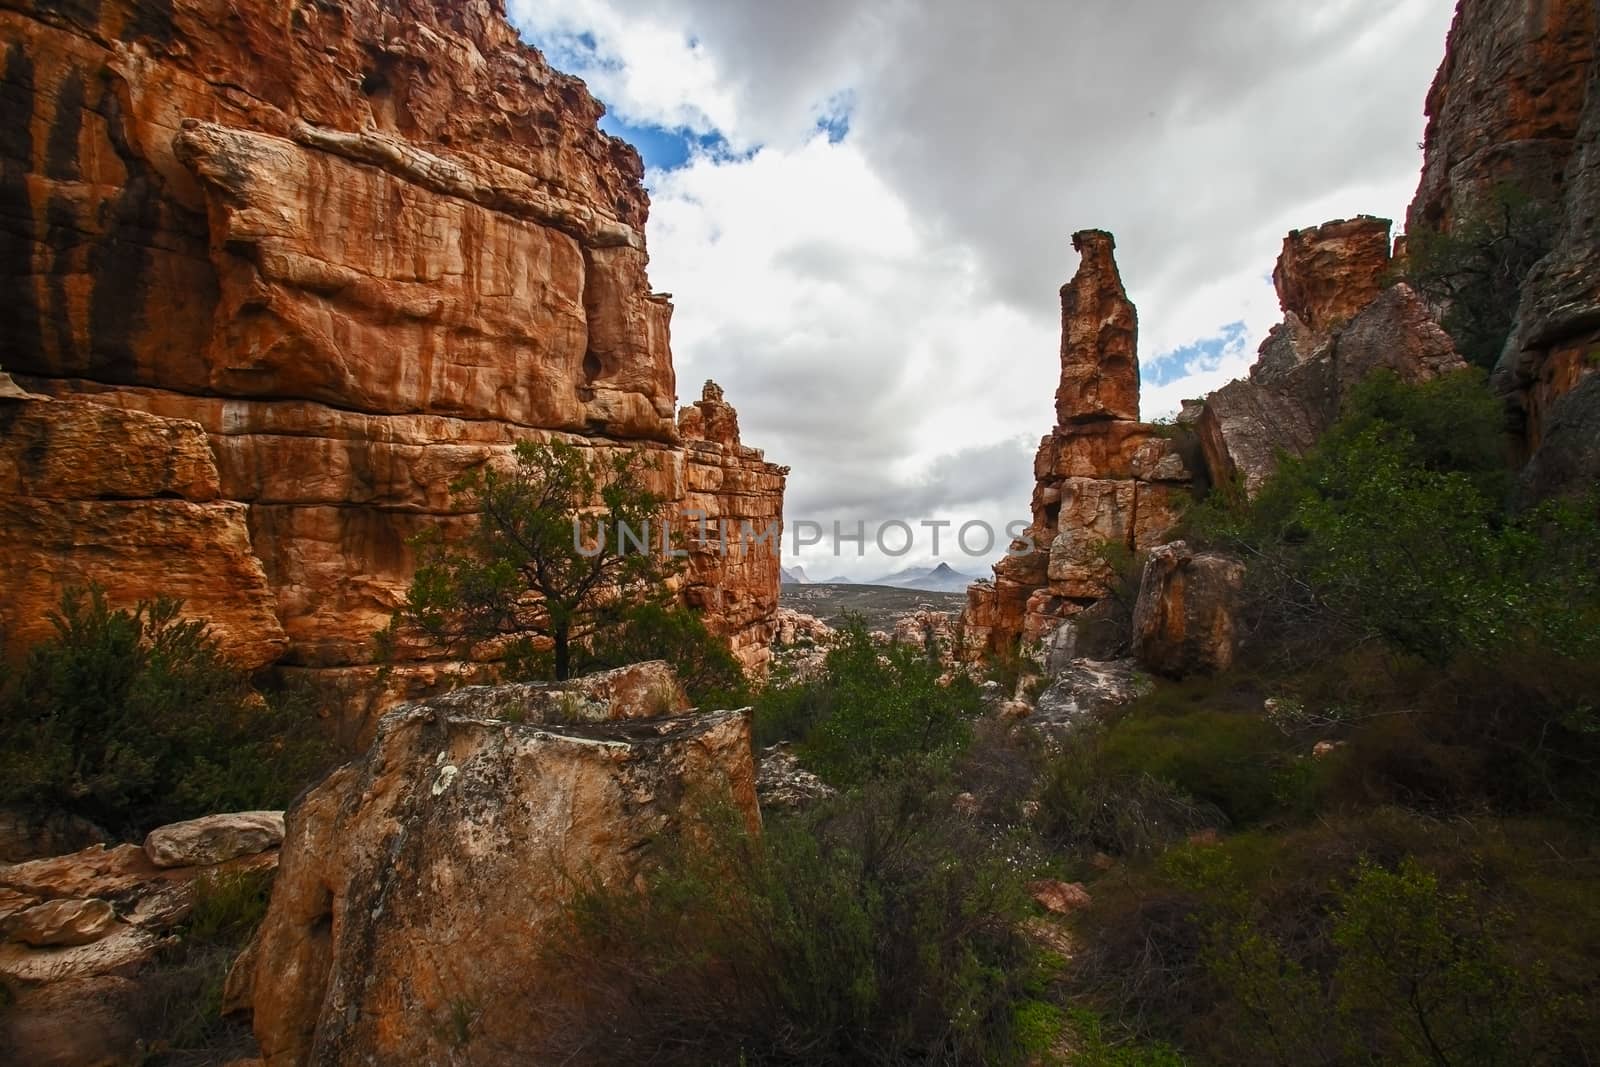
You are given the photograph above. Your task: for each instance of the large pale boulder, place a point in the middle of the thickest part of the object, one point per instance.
(417, 882)
(1185, 621)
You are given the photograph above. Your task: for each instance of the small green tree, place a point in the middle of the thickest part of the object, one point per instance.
(564, 544)
(1474, 273)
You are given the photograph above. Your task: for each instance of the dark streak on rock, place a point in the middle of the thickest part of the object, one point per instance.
(119, 263)
(19, 322)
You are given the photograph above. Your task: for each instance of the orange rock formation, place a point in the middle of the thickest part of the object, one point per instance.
(356, 250)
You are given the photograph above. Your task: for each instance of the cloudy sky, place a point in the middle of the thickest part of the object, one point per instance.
(862, 208)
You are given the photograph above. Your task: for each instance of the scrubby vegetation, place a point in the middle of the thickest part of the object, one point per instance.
(133, 718)
(873, 709)
(1372, 841)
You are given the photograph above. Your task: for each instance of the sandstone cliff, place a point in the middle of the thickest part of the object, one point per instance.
(360, 248)
(1516, 103)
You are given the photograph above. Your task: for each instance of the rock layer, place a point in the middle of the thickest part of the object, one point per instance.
(366, 248)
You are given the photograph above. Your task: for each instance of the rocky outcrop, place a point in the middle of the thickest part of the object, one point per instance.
(417, 882)
(1185, 619)
(1328, 273)
(1549, 367)
(1505, 105)
(83, 931)
(736, 497)
(356, 251)
(214, 839)
(130, 501)
(1516, 106)
(1329, 276)
(1102, 479)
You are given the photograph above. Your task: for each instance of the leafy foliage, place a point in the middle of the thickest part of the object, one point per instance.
(133, 718)
(1395, 528)
(525, 568)
(703, 663)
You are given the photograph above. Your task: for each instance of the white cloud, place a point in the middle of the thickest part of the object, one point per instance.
(883, 310)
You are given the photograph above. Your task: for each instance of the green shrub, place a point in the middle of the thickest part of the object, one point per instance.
(1230, 760)
(1085, 806)
(708, 671)
(870, 709)
(1338, 942)
(133, 718)
(880, 929)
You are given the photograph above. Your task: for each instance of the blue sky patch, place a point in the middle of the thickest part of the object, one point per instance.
(1168, 367)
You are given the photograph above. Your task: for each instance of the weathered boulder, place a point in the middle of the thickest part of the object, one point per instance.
(1083, 689)
(1185, 618)
(1063, 898)
(416, 882)
(85, 1022)
(214, 838)
(28, 835)
(62, 922)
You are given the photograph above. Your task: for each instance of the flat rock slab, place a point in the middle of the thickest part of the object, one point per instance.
(214, 839)
(63, 922)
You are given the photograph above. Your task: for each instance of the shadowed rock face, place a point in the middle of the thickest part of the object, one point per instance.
(1184, 620)
(415, 884)
(366, 247)
(1516, 103)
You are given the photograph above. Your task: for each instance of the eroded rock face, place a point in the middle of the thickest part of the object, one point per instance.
(1102, 479)
(465, 830)
(1304, 374)
(130, 501)
(1328, 273)
(1099, 338)
(1506, 104)
(1549, 367)
(1185, 619)
(366, 248)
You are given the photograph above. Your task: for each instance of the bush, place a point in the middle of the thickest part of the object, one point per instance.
(1350, 942)
(132, 719)
(872, 709)
(1086, 807)
(880, 929)
(708, 671)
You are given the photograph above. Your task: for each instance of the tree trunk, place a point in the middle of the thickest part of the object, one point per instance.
(561, 634)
